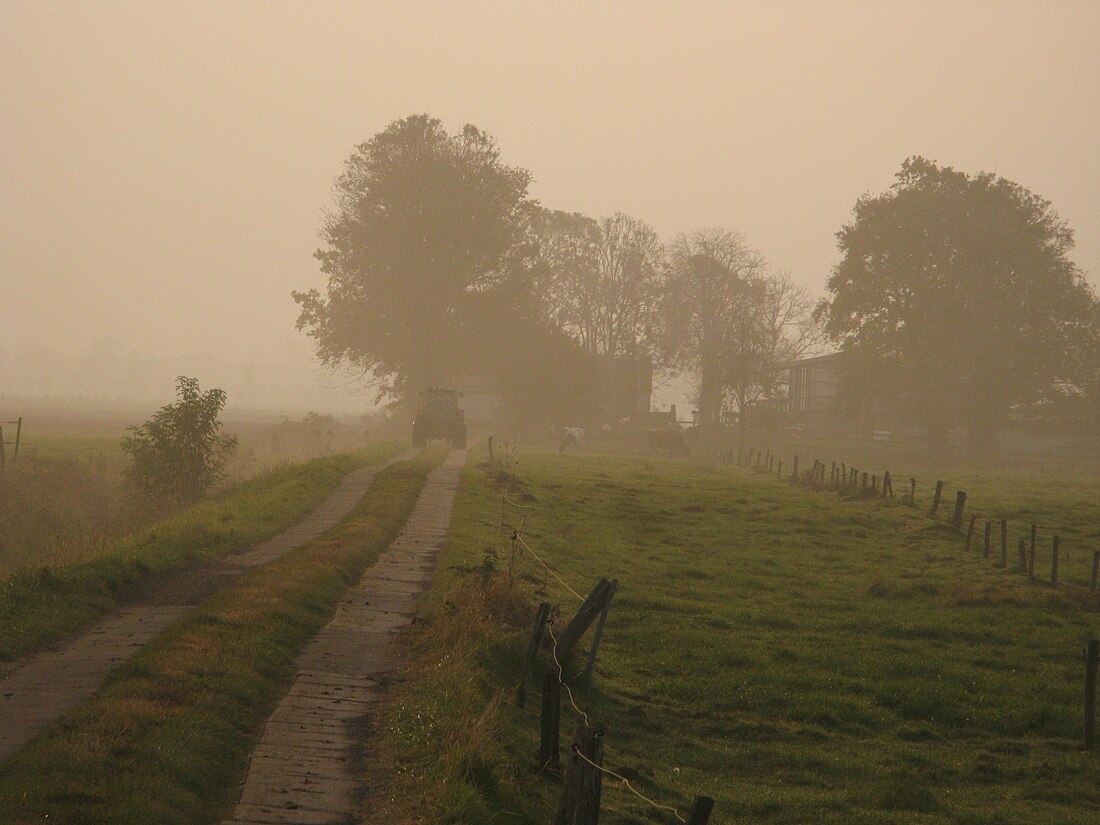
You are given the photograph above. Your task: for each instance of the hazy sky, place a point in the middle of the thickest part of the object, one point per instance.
(164, 165)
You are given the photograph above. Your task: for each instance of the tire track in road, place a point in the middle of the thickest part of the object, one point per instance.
(41, 688)
(300, 771)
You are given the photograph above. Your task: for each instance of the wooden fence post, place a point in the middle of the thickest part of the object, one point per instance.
(1092, 654)
(588, 801)
(936, 499)
(18, 432)
(1004, 543)
(865, 479)
(970, 532)
(1023, 556)
(843, 474)
(532, 650)
(580, 793)
(1054, 562)
(913, 492)
(587, 614)
(960, 505)
(887, 485)
(988, 528)
(700, 811)
(1031, 562)
(1095, 569)
(550, 728)
(599, 629)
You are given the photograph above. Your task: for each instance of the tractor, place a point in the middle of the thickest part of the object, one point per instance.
(440, 417)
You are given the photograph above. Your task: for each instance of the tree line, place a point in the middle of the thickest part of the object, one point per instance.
(954, 298)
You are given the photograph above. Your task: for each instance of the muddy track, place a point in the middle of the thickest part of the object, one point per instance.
(300, 772)
(41, 688)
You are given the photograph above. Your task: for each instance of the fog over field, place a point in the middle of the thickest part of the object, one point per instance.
(164, 166)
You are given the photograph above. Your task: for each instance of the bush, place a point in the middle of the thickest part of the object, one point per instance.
(179, 453)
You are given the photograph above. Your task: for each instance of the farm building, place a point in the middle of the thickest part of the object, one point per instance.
(814, 385)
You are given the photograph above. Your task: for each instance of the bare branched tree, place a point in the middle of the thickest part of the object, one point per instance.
(601, 280)
(774, 328)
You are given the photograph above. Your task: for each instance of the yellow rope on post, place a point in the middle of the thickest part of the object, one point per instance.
(629, 787)
(527, 546)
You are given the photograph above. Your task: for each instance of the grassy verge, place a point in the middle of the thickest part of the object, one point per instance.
(40, 606)
(800, 657)
(167, 738)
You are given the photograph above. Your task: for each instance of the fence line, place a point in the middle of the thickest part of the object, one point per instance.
(559, 677)
(844, 478)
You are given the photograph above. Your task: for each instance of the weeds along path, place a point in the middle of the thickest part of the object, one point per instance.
(39, 689)
(300, 770)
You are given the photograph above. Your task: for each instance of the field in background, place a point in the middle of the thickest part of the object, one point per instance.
(65, 500)
(798, 656)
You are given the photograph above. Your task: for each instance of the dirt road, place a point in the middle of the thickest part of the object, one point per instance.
(300, 770)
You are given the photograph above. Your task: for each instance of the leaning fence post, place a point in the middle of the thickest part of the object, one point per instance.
(794, 472)
(550, 728)
(1004, 543)
(1031, 562)
(700, 811)
(599, 629)
(960, 505)
(970, 532)
(18, 432)
(912, 492)
(1092, 654)
(532, 650)
(1054, 562)
(584, 617)
(936, 499)
(988, 529)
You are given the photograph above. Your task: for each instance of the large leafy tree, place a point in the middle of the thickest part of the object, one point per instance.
(715, 289)
(424, 222)
(956, 299)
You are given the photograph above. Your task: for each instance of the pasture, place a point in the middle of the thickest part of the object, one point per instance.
(799, 656)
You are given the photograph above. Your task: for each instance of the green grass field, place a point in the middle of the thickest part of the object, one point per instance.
(42, 603)
(167, 738)
(798, 656)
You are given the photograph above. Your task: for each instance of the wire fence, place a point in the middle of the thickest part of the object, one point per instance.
(856, 483)
(573, 787)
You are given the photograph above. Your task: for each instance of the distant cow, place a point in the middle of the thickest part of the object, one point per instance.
(671, 441)
(571, 441)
